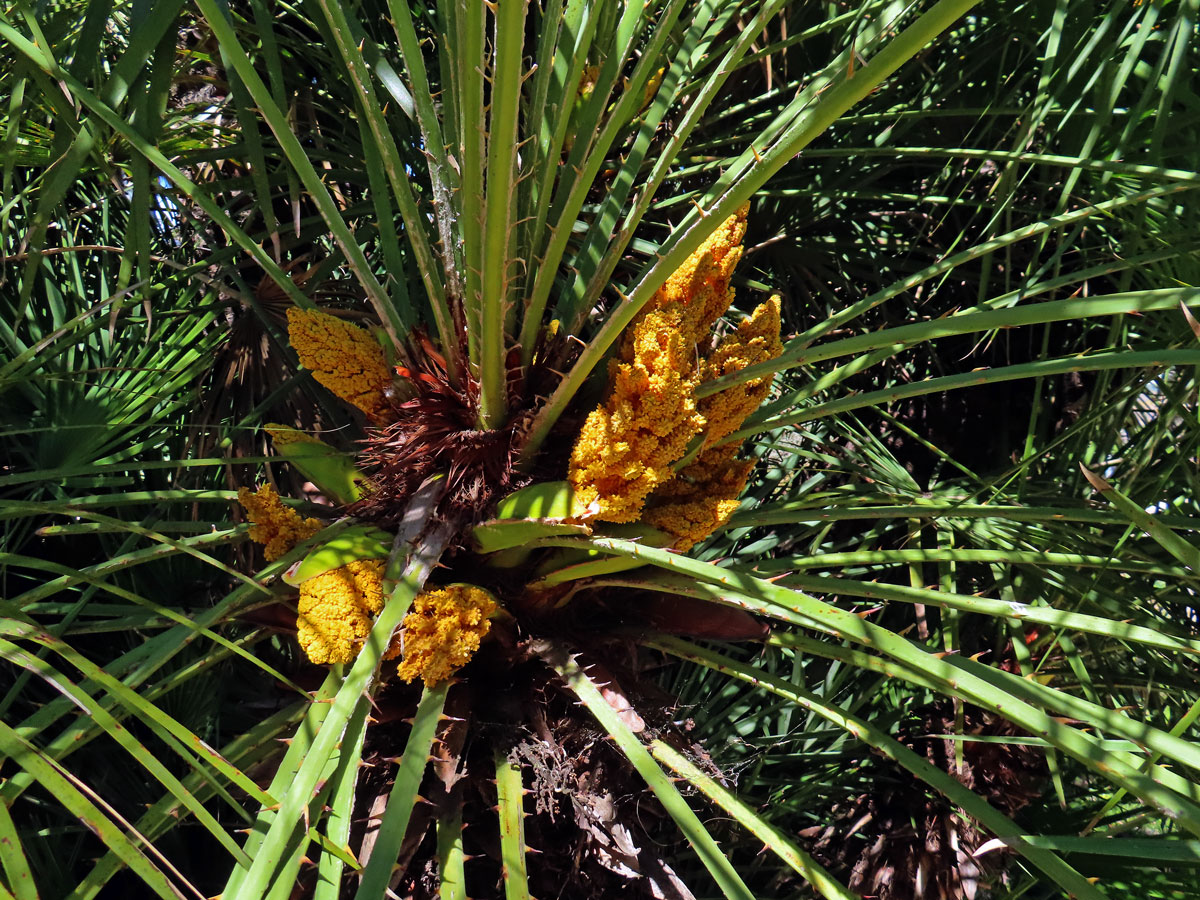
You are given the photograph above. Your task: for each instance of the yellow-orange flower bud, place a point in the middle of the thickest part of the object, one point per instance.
(336, 609)
(343, 357)
(627, 447)
(443, 630)
(277, 526)
(701, 284)
(755, 340)
(701, 499)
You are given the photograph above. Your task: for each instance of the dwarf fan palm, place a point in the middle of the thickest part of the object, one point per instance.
(501, 202)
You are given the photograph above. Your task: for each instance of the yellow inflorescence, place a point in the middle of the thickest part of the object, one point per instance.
(343, 357)
(275, 525)
(443, 631)
(336, 609)
(701, 499)
(701, 284)
(628, 445)
(756, 340)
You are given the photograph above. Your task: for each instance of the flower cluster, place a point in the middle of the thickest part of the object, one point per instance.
(628, 445)
(704, 493)
(701, 284)
(439, 635)
(756, 340)
(623, 466)
(443, 630)
(275, 525)
(336, 609)
(701, 498)
(343, 357)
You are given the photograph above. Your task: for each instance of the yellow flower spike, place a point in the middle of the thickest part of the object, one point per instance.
(627, 446)
(705, 493)
(443, 630)
(336, 609)
(343, 357)
(277, 526)
(756, 340)
(701, 284)
(701, 499)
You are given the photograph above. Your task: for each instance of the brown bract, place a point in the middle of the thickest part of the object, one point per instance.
(435, 433)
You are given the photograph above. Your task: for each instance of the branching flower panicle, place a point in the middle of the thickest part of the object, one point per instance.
(343, 357)
(286, 436)
(702, 498)
(705, 493)
(628, 445)
(336, 609)
(756, 340)
(443, 630)
(278, 527)
(701, 284)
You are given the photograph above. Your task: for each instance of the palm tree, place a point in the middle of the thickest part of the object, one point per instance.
(475, 266)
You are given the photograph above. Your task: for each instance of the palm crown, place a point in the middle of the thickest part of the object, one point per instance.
(528, 254)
